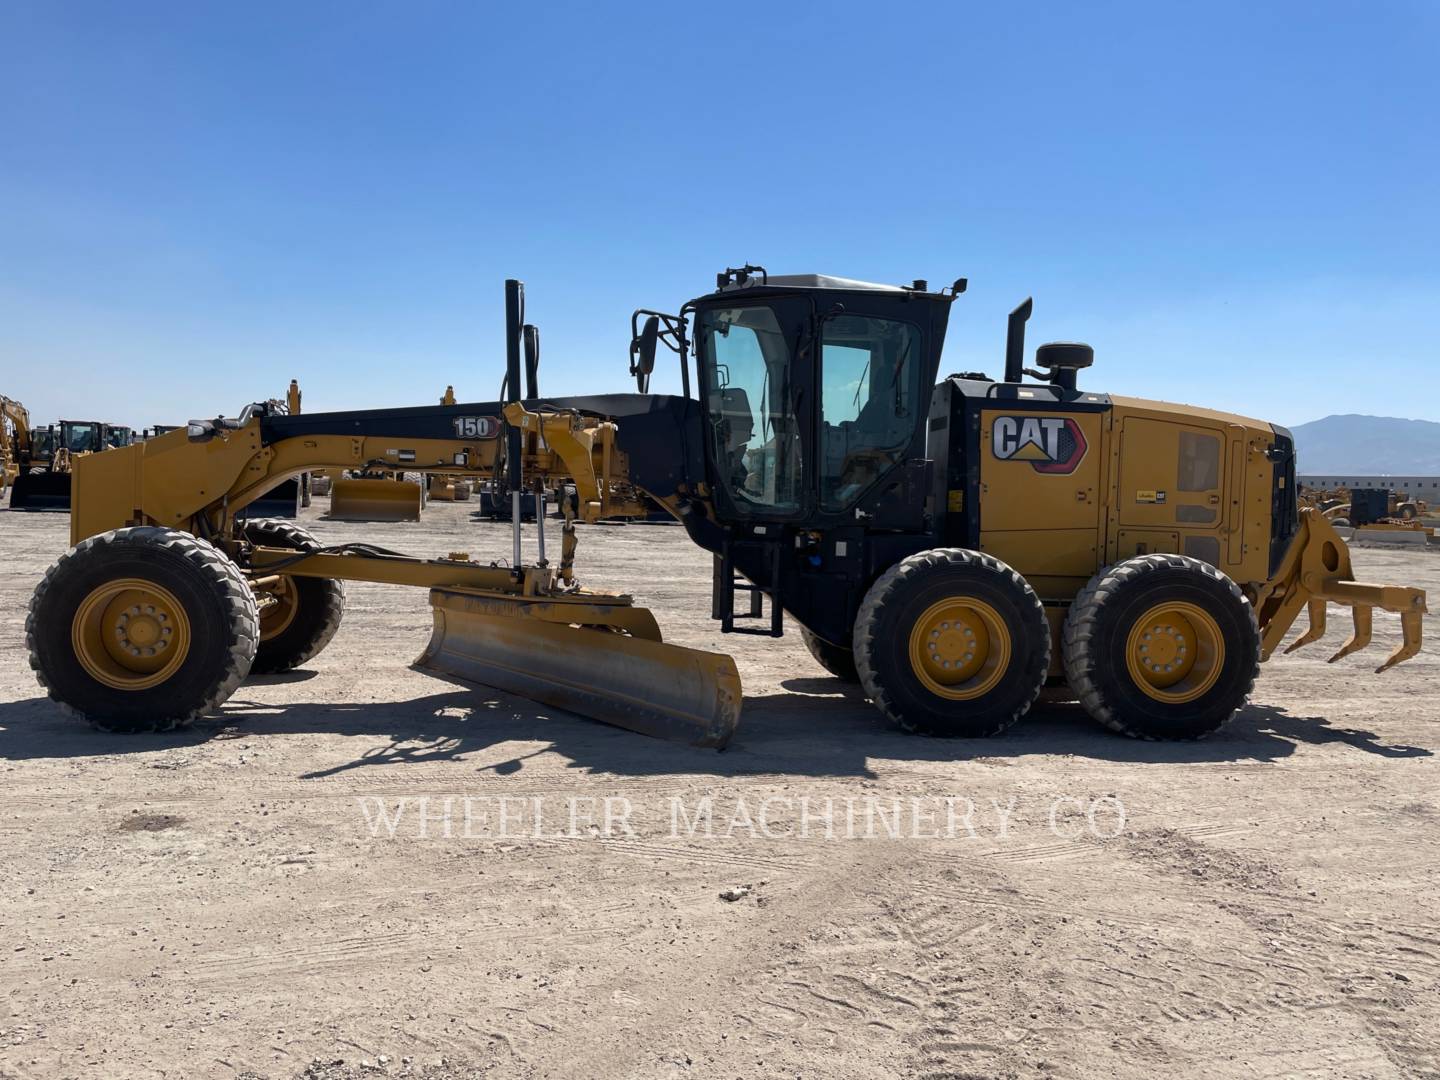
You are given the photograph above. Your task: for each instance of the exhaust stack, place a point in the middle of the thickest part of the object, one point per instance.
(1015, 341)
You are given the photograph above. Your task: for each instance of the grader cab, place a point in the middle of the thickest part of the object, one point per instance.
(953, 546)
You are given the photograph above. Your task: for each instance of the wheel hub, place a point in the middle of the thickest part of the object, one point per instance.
(144, 631)
(1174, 652)
(959, 648)
(278, 605)
(130, 634)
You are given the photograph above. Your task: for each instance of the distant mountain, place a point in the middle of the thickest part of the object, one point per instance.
(1351, 444)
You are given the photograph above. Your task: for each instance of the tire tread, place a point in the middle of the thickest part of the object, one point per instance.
(241, 611)
(301, 539)
(894, 581)
(1077, 637)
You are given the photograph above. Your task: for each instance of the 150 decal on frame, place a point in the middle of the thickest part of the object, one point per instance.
(476, 427)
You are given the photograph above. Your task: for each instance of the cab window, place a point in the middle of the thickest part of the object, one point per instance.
(754, 435)
(870, 394)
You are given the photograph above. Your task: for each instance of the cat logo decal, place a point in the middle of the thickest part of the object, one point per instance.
(1051, 444)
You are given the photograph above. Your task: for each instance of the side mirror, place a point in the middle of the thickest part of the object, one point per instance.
(642, 353)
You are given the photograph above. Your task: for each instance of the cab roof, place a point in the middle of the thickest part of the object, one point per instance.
(809, 281)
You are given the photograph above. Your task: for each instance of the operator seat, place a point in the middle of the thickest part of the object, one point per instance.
(737, 428)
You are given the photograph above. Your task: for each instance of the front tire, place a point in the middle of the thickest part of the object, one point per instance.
(952, 642)
(1162, 647)
(142, 629)
(300, 617)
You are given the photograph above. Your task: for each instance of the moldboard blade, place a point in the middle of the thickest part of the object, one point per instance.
(667, 691)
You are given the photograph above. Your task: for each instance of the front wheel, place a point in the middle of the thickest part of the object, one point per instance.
(299, 615)
(1162, 647)
(952, 642)
(142, 629)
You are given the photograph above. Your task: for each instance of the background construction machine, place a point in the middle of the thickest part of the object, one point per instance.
(951, 546)
(448, 487)
(16, 446)
(284, 500)
(375, 495)
(45, 483)
(1364, 506)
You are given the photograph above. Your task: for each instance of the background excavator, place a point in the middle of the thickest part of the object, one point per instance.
(15, 440)
(953, 546)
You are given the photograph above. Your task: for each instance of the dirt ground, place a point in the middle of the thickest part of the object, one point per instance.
(267, 895)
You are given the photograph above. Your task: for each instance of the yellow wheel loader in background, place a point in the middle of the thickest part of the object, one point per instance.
(45, 478)
(951, 545)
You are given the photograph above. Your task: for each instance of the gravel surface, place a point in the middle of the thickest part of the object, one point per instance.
(279, 892)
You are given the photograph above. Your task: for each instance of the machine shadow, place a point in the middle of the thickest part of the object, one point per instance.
(821, 727)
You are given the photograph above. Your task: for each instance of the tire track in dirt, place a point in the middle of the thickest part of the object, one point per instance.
(845, 1000)
(1337, 963)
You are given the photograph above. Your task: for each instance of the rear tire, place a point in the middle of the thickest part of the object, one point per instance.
(309, 610)
(1162, 647)
(142, 629)
(952, 642)
(836, 659)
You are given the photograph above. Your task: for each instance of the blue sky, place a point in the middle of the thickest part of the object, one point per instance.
(1238, 205)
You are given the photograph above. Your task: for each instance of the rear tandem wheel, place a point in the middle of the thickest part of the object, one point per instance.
(838, 660)
(1161, 647)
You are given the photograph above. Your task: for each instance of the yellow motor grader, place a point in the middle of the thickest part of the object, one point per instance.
(449, 487)
(953, 545)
